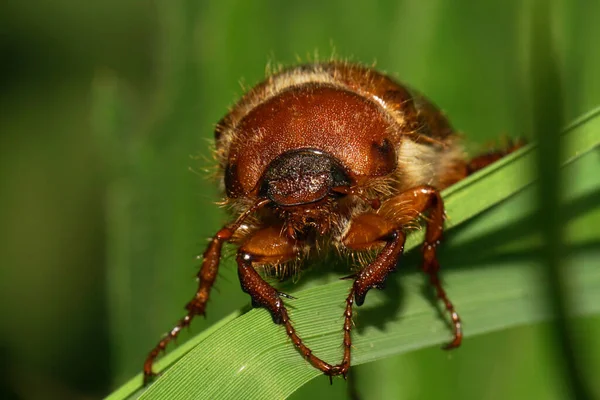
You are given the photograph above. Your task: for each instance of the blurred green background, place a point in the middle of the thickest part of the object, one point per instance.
(107, 112)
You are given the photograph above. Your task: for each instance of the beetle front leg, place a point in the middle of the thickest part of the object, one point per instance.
(367, 231)
(375, 274)
(269, 246)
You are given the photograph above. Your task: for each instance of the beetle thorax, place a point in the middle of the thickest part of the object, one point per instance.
(352, 129)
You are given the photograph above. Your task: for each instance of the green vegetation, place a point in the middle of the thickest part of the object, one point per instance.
(108, 112)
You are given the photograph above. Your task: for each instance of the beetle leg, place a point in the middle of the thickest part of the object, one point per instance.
(374, 274)
(430, 199)
(407, 207)
(366, 232)
(483, 160)
(206, 279)
(263, 247)
(206, 275)
(266, 296)
(370, 229)
(269, 246)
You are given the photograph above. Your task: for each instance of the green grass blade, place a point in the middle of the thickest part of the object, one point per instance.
(249, 354)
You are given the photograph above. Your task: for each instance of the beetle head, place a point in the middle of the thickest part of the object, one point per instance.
(302, 176)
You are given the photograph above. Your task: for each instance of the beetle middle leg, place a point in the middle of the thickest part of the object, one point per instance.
(197, 306)
(386, 226)
(426, 198)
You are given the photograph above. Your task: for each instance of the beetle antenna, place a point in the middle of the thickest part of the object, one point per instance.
(256, 206)
(375, 203)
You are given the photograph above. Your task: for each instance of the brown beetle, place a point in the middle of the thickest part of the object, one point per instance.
(332, 154)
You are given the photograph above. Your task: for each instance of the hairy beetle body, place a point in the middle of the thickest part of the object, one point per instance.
(385, 137)
(329, 153)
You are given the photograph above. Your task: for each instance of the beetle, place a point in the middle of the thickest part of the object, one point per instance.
(328, 155)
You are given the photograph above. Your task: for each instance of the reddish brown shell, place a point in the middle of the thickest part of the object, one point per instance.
(353, 113)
